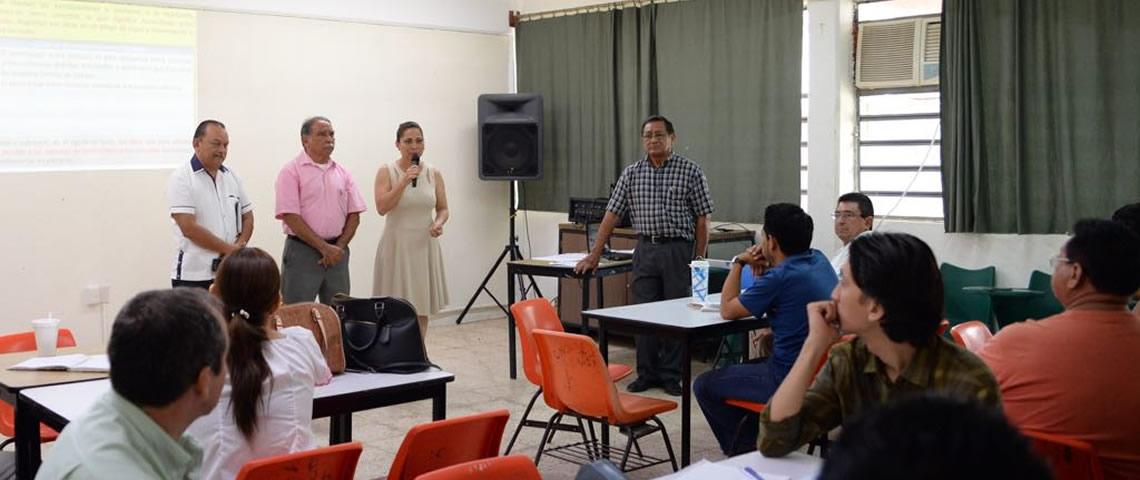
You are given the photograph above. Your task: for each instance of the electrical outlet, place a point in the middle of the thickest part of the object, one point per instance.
(96, 294)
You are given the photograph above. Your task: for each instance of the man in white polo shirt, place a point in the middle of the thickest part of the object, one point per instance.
(854, 215)
(211, 212)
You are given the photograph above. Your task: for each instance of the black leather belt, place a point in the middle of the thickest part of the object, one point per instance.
(294, 237)
(658, 239)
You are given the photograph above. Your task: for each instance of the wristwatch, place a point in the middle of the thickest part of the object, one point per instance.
(737, 259)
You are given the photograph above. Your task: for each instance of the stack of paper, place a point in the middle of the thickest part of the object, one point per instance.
(564, 259)
(706, 470)
(73, 363)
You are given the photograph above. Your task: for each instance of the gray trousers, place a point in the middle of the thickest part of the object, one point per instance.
(303, 279)
(660, 272)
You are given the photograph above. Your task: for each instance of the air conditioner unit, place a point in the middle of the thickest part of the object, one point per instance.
(898, 53)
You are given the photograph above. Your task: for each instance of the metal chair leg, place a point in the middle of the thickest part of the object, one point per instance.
(590, 446)
(625, 453)
(525, 415)
(668, 444)
(547, 435)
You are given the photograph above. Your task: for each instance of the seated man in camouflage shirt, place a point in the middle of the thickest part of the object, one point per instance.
(890, 296)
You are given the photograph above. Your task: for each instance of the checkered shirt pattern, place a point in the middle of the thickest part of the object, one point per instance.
(662, 201)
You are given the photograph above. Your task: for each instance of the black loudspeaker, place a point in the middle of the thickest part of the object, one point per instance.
(510, 136)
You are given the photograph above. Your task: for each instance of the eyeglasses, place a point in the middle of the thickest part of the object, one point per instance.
(654, 135)
(1056, 259)
(845, 215)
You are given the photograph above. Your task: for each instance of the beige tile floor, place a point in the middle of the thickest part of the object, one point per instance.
(476, 352)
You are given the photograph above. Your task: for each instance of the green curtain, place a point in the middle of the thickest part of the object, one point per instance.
(726, 72)
(570, 61)
(729, 72)
(1040, 112)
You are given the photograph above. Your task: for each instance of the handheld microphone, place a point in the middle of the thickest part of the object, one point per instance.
(415, 161)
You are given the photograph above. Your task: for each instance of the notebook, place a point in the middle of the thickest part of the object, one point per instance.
(77, 362)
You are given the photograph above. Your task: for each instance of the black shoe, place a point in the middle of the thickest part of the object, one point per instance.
(672, 388)
(641, 385)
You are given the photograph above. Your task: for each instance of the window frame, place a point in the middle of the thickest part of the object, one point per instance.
(860, 143)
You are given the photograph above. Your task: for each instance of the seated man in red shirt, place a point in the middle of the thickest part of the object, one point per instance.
(1072, 374)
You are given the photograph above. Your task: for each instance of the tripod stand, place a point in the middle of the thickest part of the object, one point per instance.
(511, 249)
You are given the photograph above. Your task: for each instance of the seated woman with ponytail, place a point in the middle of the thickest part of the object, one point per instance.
(266, 407)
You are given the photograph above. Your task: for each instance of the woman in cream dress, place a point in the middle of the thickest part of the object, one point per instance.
(409, 263)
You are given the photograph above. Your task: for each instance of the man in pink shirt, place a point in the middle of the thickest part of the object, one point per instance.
(319, 205)
(1073, 374)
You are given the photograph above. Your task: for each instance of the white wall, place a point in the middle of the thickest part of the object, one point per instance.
(262, 75)
(481, 16)
(537, 6)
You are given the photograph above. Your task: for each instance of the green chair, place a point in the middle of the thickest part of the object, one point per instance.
(732, 349)
(717, 275)
(1042, 281)
(1036, 308)
(962, 307)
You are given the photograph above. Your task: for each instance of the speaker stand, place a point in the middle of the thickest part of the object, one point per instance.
(511, 249)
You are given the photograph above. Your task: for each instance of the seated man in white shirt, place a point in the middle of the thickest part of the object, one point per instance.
(854, 215)
(167, 369)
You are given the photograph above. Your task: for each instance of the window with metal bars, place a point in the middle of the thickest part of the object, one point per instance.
(900, 156)
(899, 153)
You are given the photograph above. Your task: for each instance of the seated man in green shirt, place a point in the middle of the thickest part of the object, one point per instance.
(890, 296)
(166, 354)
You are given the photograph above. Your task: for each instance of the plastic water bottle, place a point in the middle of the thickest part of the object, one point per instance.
(699, 270)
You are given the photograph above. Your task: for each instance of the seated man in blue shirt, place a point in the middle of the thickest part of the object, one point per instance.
(166, 354)
(791, 275)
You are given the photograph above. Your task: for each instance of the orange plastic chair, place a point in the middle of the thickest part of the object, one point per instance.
(26, 342)
(539, 314)
(443, 443)
(971, 335)
(1070, 459)
(334, 462)
(756, 407)
(511, 467)
(577, 381)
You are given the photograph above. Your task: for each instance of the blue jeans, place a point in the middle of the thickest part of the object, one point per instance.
(755, 382)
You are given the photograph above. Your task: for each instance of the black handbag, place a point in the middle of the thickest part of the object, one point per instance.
(381, 335)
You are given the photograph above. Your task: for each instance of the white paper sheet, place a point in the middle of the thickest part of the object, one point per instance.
(76, 362)
(705, 469)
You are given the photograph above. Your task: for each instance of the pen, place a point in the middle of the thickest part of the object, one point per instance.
(753, 473)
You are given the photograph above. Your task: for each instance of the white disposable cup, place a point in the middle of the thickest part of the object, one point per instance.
(699, 270)
(47, 334)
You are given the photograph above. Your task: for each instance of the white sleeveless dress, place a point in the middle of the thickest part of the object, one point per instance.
(409, 263)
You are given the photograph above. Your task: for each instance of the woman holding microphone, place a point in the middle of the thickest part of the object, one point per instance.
(410, 195)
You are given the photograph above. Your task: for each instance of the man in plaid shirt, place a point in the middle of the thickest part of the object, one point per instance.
(668, 199)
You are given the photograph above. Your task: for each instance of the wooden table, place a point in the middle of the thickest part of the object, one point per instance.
(12, 382)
